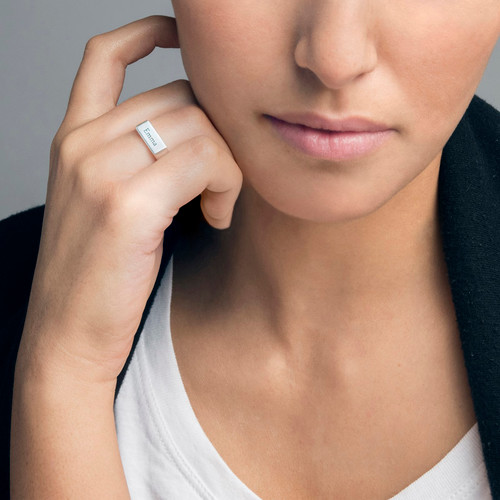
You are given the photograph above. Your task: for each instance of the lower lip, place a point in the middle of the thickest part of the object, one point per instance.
(333, 146)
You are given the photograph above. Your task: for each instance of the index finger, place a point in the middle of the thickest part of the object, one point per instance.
(100, 77)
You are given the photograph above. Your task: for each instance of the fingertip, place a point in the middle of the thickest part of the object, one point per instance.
(225, 225)
(220, 224)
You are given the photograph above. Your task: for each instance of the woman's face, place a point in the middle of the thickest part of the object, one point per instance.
(411, 64)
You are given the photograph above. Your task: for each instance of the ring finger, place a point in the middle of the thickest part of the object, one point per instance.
(127, 154)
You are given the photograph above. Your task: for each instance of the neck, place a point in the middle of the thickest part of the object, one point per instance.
(296, 275)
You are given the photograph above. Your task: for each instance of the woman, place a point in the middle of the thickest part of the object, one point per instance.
(316, 333)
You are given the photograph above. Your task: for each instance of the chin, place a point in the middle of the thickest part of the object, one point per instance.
(321, 206)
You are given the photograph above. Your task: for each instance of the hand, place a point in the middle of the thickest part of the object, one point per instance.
(109, 202)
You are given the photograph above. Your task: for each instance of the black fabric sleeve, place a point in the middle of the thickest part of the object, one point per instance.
(19, 244)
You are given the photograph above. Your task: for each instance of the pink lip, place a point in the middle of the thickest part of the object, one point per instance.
(333, 140)
(317, 121)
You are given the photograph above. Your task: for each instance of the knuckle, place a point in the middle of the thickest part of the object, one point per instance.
(154, 18)
(181, 82)
(195, 115)
(180, 92)
(62, 131)
(67, 148)
(85, 179)
(95, 191)
(205, 147)
(121, 204)
(55, 145)
(184, 86)
(98, 43)
(153, 21)
(87, 176)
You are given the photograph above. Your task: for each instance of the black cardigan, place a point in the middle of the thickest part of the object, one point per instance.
(469, 216)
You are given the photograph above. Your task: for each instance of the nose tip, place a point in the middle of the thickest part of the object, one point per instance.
(337, 47)
(337, 69)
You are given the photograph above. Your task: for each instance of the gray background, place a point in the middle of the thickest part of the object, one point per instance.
(41, 44)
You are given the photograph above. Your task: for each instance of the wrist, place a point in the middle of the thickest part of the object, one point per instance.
(52, 356)
(61, 372)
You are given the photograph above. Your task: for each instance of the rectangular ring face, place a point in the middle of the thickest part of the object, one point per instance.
(151, 137)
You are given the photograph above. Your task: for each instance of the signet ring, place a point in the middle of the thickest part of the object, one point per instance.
(151, 137)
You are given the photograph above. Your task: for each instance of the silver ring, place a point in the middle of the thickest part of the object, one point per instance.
(151, 137)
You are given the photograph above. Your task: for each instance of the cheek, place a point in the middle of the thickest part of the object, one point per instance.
(441, 56)
(222, 50)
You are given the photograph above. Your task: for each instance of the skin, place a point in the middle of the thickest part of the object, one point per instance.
(340, 58)
(354, 230)
(289, 317)
(331, 243)
(109, 201)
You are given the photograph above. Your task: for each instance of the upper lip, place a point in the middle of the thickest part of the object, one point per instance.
(323, 122)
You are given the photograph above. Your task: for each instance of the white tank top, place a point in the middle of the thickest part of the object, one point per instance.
(167, 455)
